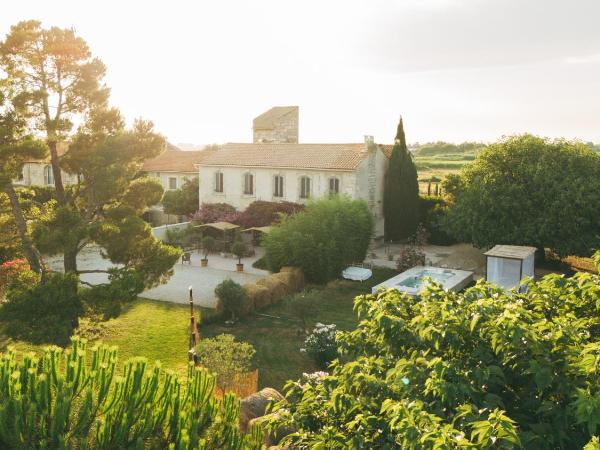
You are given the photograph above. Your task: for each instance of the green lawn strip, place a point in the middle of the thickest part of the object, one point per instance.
(153, 329)
(277, 338)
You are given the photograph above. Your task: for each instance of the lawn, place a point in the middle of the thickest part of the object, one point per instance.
(159, 331)
(276, 335)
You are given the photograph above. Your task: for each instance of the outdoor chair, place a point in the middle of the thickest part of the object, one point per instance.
(186, 257)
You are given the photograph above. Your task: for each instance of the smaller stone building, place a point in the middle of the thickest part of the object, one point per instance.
(279, 125)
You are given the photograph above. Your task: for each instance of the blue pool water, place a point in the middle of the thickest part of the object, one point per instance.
(417, 280)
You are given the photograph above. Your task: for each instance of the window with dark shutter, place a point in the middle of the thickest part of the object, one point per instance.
(278, 186)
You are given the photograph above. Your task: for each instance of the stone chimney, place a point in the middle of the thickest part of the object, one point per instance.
(278, 125)
(369, 142)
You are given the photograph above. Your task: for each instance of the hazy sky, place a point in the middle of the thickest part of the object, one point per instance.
(455, 69)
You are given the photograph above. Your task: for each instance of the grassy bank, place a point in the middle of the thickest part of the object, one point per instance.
(276, 335)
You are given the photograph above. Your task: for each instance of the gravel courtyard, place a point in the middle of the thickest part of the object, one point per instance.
(202, 279)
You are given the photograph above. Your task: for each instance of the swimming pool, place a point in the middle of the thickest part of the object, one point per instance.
(414, 280)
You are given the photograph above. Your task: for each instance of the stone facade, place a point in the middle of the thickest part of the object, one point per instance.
(365, 183)
(278, 125)
(37, 174)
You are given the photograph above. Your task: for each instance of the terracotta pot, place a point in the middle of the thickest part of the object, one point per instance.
(204, 262)
(239, 267)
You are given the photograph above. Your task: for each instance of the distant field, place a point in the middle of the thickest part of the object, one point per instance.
(440, 159)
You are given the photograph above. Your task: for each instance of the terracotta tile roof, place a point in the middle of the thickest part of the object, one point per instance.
(292, 156)
(386, 149)
(266, 120)
(176, 161)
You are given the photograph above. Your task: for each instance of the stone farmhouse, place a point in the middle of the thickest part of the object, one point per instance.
(276, 167)
(38, 172)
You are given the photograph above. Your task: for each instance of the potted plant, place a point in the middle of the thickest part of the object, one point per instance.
(208, 245)
(239, 249)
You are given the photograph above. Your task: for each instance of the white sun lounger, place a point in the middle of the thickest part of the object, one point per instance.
(357, 273)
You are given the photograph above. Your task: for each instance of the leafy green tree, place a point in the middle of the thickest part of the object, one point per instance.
(184, 201)
(54, 73)
(401, 192)
(226, 358)
(323, 239)
(16, 147)
(480, 369)
(81, 399)
(232, 297)
(527, 190)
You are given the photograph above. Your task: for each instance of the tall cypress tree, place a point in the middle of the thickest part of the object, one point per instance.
(401, 195)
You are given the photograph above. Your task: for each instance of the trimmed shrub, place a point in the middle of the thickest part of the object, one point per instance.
(232, 297)
(226, 358)
(323, 239)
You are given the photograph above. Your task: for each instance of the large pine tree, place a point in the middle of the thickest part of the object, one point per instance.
(401, 196)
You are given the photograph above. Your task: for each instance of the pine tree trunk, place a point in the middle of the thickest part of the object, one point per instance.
(70, 259)
(32, 255)
(58, 183)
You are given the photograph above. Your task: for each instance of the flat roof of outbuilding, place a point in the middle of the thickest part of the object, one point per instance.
(511, 251)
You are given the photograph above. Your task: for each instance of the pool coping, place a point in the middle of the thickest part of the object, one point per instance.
(458, 281)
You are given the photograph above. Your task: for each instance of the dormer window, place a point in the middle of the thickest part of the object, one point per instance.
(248, 184)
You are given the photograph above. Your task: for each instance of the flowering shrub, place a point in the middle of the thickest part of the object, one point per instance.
(261, 213)
(216, 212)
(16, 274)
(412, 254)
(320, 344)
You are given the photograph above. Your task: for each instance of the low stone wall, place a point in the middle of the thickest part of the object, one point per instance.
(161, 232)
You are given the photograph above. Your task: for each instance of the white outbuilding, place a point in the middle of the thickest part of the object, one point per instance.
(507, 265)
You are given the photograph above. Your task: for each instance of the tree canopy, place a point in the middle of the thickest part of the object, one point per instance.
(480, 369)
(323, 239)
(401, 192)
(527, 190)
(183, 201)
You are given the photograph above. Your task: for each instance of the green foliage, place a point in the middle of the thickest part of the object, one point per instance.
(504, 196)
(401, 194)
(261, 213)
(232, 296)
(444, 149)
(239, 248)
(184, 201)
(322, 240)
(433, 211)
(75, 399)
(108, 299)
(320, 344)
(54, 66)
(226, 358)
(208, 245)
(480, 369)
(304, 307)
(43, 312)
